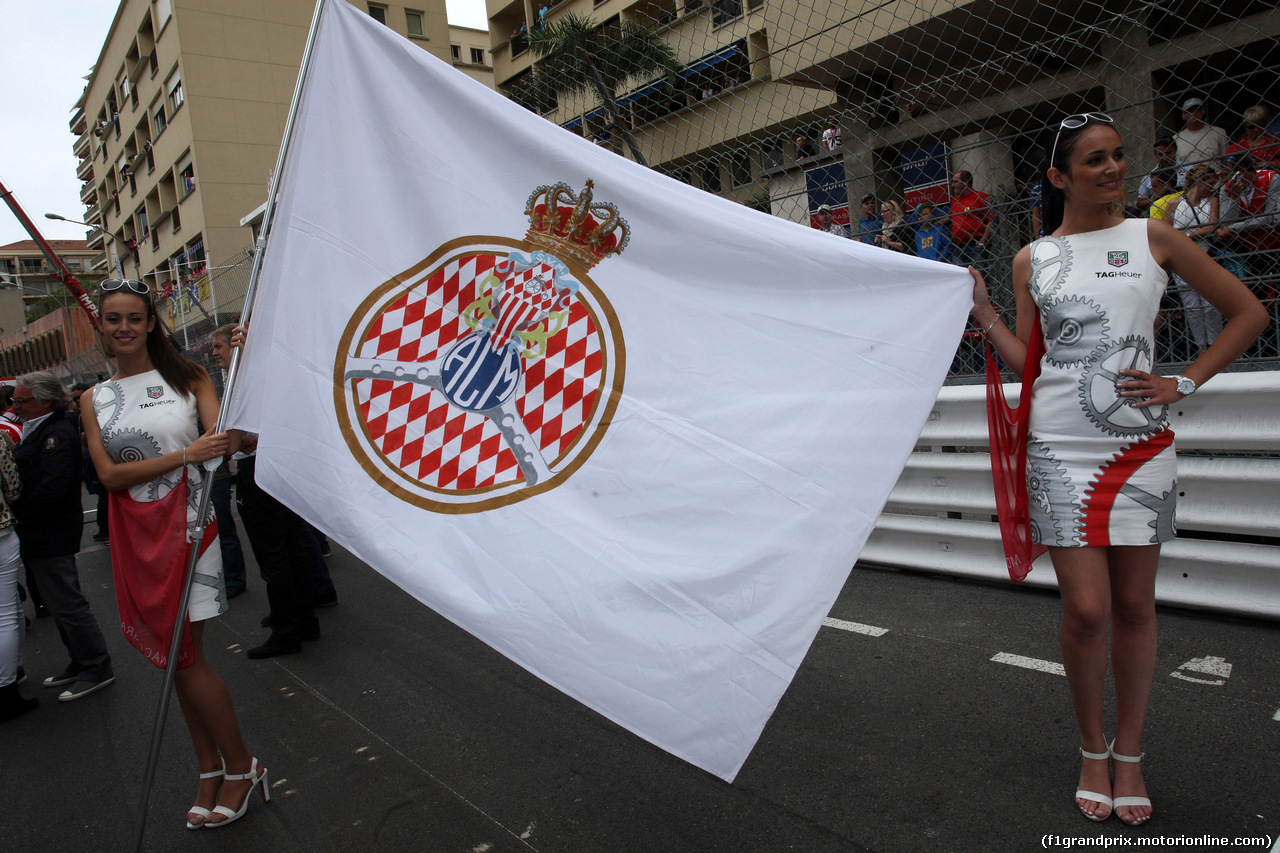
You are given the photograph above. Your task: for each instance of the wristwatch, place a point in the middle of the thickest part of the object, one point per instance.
(1186, 387)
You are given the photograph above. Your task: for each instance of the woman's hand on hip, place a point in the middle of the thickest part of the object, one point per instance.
(1144, 389)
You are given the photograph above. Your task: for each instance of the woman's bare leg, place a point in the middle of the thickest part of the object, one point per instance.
(1084, 581)
(211, 720)
(207, 757)
(1133, 661)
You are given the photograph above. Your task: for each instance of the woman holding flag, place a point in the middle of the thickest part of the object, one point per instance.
(1099, 452)
(145, 444)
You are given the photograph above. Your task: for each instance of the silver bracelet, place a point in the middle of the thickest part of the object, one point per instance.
(992, 326)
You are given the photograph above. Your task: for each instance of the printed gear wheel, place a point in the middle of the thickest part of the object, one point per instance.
(1108, 411)
(1049, 268)
(130, 445)
(1047, 487)
(111, 404)
(162, 485)
(1076, 328)
(1113, 479)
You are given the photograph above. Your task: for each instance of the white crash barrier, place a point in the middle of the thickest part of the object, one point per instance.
(1228, 440)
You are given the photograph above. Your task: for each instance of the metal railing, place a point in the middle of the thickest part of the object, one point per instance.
(940, 515)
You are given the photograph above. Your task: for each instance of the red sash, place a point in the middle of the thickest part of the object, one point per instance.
(149, 554)
(1007, 429)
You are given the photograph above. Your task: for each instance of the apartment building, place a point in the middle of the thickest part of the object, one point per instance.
(24, 268)
(919, 88)
(180, 124)
(62, 331)
(727, 121)
(469, 52)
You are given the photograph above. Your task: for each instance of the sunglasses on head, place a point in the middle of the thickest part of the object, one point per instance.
(111, 285)
(1074, 123)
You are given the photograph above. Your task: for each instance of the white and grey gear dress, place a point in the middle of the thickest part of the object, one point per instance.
(142, 417)
(1099, 471)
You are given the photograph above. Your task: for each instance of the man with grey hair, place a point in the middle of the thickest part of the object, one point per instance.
(50, 523)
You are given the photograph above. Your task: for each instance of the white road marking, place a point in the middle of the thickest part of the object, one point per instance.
(1277, 719)
(855, 627)
(1206, 666)
(1030, 663)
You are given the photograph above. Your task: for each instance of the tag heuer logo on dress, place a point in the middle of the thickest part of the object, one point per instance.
(155, 392)
(1117, 259)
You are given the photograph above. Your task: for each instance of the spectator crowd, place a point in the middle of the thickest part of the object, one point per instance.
(1221, 192)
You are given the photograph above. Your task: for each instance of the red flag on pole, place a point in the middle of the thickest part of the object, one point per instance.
(149, 557)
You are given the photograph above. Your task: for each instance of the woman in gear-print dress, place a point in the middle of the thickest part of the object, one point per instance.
(143, 417)
(140, 429)
(1100, 458)
(1100, 470)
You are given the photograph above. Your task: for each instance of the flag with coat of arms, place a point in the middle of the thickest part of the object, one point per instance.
(630, 434)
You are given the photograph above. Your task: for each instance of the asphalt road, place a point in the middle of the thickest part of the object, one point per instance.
(396, 731)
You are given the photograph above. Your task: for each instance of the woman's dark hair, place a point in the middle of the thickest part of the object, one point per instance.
(178, 371)
(1052, 201)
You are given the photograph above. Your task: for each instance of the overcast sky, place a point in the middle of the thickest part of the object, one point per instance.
(50, 49)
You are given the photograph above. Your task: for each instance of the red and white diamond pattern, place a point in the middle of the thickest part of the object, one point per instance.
(442, 447)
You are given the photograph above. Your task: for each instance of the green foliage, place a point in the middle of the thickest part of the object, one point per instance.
(567, 47)
(42, 306)
(760, 201)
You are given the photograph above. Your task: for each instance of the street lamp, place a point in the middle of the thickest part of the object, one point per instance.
(128, 249)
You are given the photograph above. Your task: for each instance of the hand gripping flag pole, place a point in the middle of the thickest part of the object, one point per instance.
(157, 732)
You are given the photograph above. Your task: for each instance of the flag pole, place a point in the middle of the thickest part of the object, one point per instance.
(171, 665)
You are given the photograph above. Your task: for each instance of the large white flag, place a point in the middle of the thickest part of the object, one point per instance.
(630, 434)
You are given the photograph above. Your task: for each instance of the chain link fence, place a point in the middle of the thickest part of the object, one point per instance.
(794, 107)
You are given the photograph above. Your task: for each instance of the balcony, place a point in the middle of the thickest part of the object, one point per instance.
(84, 171)
(510, 48)
(863, 39)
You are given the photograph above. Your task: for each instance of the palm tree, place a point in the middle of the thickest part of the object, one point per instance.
(577, 55)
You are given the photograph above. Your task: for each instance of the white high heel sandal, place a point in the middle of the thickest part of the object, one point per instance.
(1129, 801)
(258, 779)
(1082, 794)
(201, 811)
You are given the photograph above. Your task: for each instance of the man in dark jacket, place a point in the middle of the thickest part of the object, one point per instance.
(50, 523)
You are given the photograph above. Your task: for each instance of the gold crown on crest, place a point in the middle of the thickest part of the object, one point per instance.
(574, 226)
